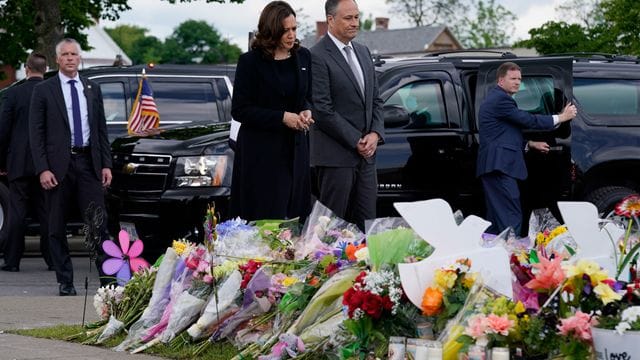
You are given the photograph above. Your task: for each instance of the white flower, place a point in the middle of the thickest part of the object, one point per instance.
(631, 314)
(362, 254)
(622, 327)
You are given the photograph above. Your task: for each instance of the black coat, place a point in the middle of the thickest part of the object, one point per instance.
(15, 153)
(50, 133)
(271, 165)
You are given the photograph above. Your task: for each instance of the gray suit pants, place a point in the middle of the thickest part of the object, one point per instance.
(350, 192)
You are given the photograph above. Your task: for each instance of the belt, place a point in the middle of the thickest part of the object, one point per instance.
(80, 150)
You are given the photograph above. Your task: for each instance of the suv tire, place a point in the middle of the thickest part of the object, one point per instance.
(606, 197)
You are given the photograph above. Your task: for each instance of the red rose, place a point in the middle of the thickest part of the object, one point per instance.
(387, 304)
(360, 278)
(331, 269)
(372, 306)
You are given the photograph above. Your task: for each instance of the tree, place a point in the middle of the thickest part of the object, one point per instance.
(41, 24)
(613, 29)
(198, 42)
(557, 37)
(429, 12)
(126, 36)
(490, 27)
(586, 12)
(622, 16)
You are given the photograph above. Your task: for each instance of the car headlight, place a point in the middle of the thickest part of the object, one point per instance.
(206, 170)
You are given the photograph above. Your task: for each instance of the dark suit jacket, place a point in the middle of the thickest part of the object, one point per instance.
(271, 165)
(15, 153)
(342, 115)
(50, 133)
(501, 141)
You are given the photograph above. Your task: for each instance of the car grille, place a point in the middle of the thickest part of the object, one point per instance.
(140, 174)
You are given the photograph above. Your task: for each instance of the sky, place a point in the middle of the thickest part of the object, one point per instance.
(235, 21)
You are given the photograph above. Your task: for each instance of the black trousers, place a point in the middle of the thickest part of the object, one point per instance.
(350, 192)
(25, 193)
(79, 185)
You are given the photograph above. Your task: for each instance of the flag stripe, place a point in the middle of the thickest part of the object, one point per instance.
(144, 114)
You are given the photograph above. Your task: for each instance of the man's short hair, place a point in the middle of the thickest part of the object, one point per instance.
(331, 7)
(67, 41)
(506, 67)
(37, 62)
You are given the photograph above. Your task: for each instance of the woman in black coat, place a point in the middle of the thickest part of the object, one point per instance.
(271, 100)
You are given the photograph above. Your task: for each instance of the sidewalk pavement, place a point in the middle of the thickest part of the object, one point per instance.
(29, 299)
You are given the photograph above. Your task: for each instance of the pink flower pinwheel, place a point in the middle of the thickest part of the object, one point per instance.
(123, 259)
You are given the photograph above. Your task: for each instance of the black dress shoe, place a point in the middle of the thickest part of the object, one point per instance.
(10, 268)
(67, 290)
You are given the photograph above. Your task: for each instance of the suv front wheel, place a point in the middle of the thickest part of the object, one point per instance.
(606, 197)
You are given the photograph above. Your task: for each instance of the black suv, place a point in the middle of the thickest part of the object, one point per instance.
(430, 111)
(192, 101)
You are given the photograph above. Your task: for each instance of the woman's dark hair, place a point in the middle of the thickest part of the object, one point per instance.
(270, 29)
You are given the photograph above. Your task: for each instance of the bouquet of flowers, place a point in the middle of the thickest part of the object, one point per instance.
(443, 299)
(159, 297)
(323, 231)
(391, 241)
(373, 296)
(494, 325)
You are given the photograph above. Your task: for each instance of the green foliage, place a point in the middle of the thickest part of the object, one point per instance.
(623, 16)
(126, 36)
(609, 27)
(490, 27)
(198, 42)
(26, 28)
(429, 12)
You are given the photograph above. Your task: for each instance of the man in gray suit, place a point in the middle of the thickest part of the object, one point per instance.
(347, 110)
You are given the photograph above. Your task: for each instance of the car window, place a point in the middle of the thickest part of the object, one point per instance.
(423, 102)
(615, 98)
(536, 95)
(115, 107)
(180, 102)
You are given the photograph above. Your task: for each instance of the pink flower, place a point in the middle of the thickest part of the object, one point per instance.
(499, 324)
(476, 326)
(578, 325)
(124, 259)
(549, 274)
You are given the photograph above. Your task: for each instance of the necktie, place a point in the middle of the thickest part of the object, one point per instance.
(75, 108)
(354, 68)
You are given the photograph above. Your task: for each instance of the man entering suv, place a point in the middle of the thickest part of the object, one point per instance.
(500, 161)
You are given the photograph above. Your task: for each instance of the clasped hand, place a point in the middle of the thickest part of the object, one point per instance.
(368, 144)
(300, 122)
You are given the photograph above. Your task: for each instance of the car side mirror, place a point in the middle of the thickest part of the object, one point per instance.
(395, 116)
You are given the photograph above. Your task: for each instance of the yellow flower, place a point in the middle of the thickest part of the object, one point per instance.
(557, 231)
(606, 293)
(179, 247)
(468, 280)
(519, 308)
(587, 267)
(288, 281)
(445, 279)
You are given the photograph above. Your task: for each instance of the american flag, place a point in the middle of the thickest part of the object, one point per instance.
(144, 115)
